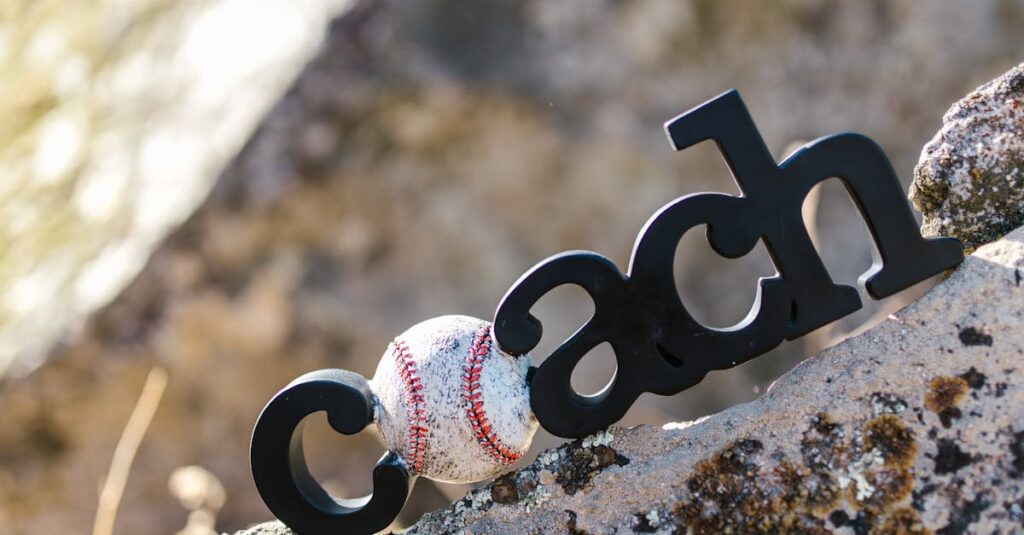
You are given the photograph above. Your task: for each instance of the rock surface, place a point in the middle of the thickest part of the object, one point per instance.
(969, 183)
(912, 427)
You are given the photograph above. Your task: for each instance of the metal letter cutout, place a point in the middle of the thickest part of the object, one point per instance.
(279, 463)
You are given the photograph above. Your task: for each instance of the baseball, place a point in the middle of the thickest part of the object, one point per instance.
(450, 403)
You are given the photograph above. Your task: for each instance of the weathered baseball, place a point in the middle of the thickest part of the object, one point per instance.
(450, 403)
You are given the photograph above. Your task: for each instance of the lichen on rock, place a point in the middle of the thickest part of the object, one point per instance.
(969, 182)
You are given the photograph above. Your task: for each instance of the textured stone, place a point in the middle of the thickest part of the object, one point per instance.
(970, 181)
(910, 427)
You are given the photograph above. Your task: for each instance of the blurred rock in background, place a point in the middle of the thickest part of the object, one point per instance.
(427, 156)
(116, 117)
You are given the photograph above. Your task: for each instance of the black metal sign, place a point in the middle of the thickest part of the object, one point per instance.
(659, 347)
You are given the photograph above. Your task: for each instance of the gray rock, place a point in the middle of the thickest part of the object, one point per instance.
(970, 180)
(913, 425)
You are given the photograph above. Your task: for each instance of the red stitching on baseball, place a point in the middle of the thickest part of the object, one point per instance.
(475, 406)
(417, 412)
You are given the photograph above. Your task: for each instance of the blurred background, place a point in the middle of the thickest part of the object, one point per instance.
(201, 200)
